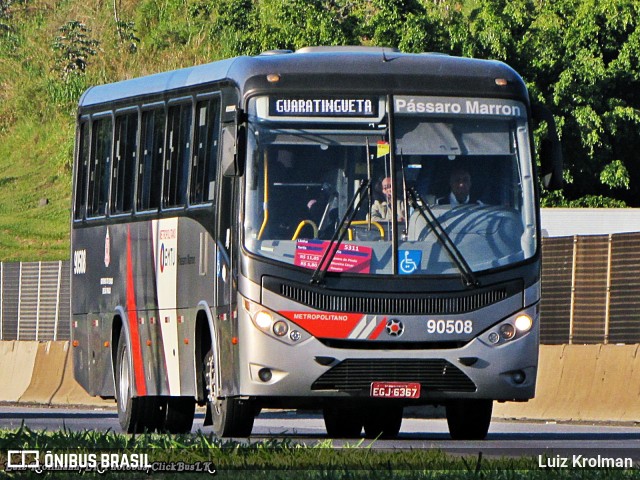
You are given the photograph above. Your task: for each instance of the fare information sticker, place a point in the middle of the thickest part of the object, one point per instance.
(348, 257)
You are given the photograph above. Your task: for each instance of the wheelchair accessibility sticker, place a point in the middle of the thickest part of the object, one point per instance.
(409, 261)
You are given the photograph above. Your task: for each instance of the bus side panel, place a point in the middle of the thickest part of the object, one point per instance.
(119, 276)
(185, 273)
(80, 350)
(158, 277)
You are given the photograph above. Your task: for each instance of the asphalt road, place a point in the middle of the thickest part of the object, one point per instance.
(505, 438)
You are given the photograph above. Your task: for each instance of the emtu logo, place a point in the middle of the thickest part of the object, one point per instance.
(167, 257)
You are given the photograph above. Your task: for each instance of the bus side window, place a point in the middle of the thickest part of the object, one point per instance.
(81, 173)
(151, 153)
(203, 170)
(124, 163)
(99, 167)
(176, 169)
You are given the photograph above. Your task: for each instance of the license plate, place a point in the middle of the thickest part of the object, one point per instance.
(395, 390)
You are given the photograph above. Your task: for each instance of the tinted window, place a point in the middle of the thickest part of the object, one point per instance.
(124, 163)
(150, 171)
(81, 173)
(99, 167)
(203, 171)
(178, 155)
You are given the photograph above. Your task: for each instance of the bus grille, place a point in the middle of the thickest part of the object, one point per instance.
(394, 304)
(357, 374)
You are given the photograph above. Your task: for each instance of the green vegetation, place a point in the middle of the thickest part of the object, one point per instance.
(283, 458)
(580, 57)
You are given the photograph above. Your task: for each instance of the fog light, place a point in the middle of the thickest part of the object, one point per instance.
(507, 331)
(280, 328)
(518, 377)
(263, 319)
(265, 374)
(295, 335)
(524, 323)
(494, 337)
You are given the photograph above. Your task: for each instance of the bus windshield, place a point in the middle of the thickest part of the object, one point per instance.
(466, 168)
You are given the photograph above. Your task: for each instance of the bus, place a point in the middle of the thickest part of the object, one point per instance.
(225, 251)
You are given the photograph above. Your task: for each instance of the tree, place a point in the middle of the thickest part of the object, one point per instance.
(73, 47)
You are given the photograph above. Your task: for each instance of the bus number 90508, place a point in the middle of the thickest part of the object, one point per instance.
(442, 327)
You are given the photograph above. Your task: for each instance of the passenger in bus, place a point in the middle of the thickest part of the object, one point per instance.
(295, 194)
(460, 189)
(381, 208)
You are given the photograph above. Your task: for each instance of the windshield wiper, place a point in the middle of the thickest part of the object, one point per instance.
(334, 244)
(418, 203)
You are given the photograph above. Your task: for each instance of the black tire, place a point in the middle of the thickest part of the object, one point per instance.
(130, 410)
(469, 419)
(231, 417)
(179, 415)
(342, 422)
(153, 412)
(382, 422)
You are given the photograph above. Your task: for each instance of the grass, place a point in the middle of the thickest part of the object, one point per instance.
(279, 458)
(35, 194)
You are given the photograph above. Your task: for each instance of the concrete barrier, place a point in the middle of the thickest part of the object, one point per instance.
(575, 382)
(71, 393)
(17, 361)
(41, 373)
(583, 383)
(611, 393)
(47, 373)
(547, 387)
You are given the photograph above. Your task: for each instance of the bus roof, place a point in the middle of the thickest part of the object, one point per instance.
(382, 69)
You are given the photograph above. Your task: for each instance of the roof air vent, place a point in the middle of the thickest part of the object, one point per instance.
(276, 52)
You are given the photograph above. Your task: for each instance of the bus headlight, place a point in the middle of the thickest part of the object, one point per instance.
(263, 319)
(273, 324)
(280, 328)
(510, 328)
(507, 331)
(523, 323)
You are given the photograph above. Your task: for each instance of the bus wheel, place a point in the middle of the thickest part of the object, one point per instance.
(231, 417)
(342, 422)
(383, 422)
(130, 410)
(180, 411)
(469, 419)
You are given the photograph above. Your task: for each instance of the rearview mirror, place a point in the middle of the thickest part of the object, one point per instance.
(232, 160)
(550, 150)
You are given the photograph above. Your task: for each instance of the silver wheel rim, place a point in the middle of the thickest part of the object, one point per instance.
(123, 383)
(211, 385)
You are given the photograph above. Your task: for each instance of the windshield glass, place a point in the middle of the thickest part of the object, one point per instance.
(469, 166)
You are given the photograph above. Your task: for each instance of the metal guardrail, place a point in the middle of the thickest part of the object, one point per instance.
(590, 293)
(591, 289)
(34, 301)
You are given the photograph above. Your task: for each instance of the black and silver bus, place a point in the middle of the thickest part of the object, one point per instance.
(287, 231)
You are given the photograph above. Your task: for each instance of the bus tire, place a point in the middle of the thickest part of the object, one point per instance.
(230, 417)
(342, 422)
(180, 412)
(469, 419)
(383, 422)
(130, 409)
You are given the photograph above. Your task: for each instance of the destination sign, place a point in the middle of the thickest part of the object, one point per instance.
(323, 107)
(459, 106)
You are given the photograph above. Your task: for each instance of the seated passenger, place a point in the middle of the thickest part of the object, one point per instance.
(381, 208)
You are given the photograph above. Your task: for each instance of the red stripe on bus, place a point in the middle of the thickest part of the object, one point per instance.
(378, 329)
(136, 352)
